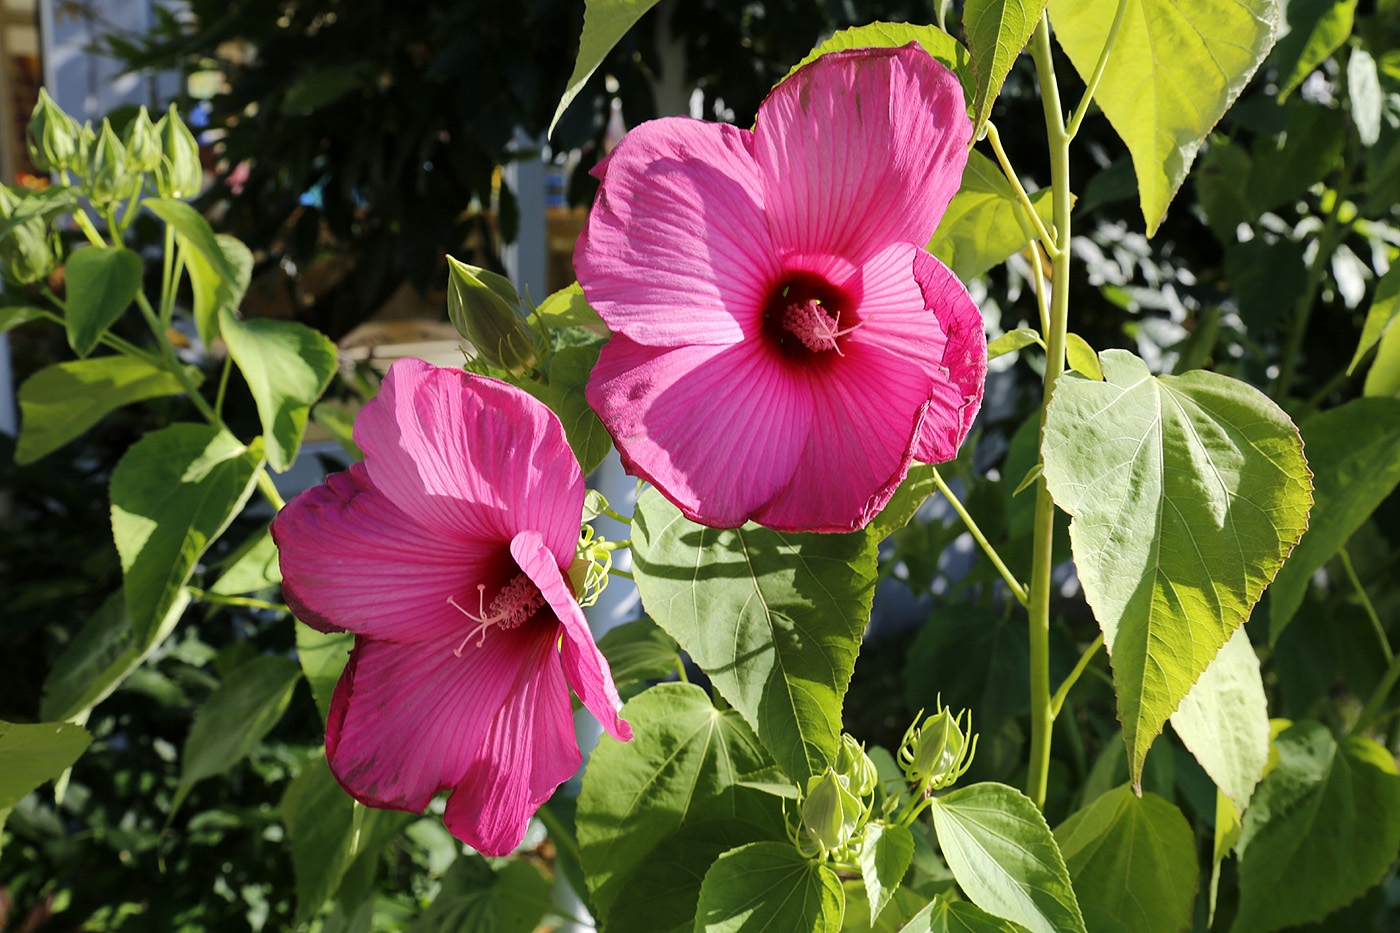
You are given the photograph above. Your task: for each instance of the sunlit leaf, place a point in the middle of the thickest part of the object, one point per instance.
(1385, 308)
(102, 281)
(604, 23)
(769, 887)
(997, 30)
(945, 916)
(213, 292)
(1315, 29)
(884, 858)
(979, 230)
(943, 47)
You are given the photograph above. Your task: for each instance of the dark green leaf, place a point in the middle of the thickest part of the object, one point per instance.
(102, 281)
(323, 657)
(250, 569)
(944, 916)
(997, 30)
(973, 659)
(568, 375)
(12, 316)
(639, 651)
(769, 887)
(1266, 279)
(213, 292)
(33, 753)
(1315, 29)
(604, 23)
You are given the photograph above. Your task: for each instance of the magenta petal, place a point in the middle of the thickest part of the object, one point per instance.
(675, 250)
(527, 752)
(585, 668)
(353, 560)
(964, 359)
(860, 149)
(466, 456)
(719, 430)
(407, 720)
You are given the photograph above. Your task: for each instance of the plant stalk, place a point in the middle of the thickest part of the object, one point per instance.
(1017, 588)
(1093, 85)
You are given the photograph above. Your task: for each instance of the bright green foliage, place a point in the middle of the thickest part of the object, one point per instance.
(251, 568)
(1224, 720)
(1314, 30)
(33, 753)
(1005, 858)
(1385, 308)
(1174, 70)
(173, 492)
(1082, 358)
(102, 281)
(604, 23)
(12, 316)
(945, 916)
(1014, 340)
(568, 308)
(1323, 827)
(287, 366)
(60, 402)
(775, 619)
(1354, 452)
(212, 291)
(943, 47)
(884, 858)
(231, 723)
(1187, 493)
(1384, 378)
(997, 30)
(768, 887)
(512, 898)
(568, 374)
(980, 229)
(639, 651)
(323, 657)
(1227, 833)
(917, 486)
(1133, 861)
(678, 775)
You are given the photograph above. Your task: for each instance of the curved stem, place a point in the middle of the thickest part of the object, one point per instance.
(107, 339)
(615, 516)
(1051, 248)
(1057, 701)
(172, 362)
(1042, 715)
(1017, 589)
(85, 224)
(1378, 698)
(1094, 79)
(1366, 604)
(167, 291)
(269, 491)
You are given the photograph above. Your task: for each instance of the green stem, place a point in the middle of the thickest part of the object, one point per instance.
(107, 339)
(613, 571)
(1051, 247)
(1378, 698)
(269, 491)
(223, 600)
(1057, 701)
(1042, 715)
(1017, 589)
(85, 224)
(173, 364)
(1083, 108)
(615, 516)
(223, 385)
(1366, 604)
(615, 545)
(167, 292)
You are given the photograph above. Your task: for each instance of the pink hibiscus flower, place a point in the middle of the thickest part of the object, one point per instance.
(446, 553)
(783, 347)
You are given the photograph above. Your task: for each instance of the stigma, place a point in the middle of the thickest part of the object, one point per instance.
(809, 322)
(517, 601)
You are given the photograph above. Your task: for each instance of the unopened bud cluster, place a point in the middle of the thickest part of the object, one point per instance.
(837, 805)
(936, 752)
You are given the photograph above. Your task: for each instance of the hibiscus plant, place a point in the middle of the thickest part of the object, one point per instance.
(775, 328)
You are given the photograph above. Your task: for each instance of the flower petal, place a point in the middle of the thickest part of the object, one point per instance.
(407, 721)
(467, 456)
(529, 750)
(585, 668)
(855, 157)
(675, 250)
(353, 560)
(964, 359)
(718, 430)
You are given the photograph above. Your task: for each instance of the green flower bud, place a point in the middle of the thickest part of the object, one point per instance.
(52, 136)
(26, 253)
(87, 139)
(142, 144)
(179, 174)
(831, 814)
(936, 753)
(109, 176)
(855, 765)
(483, 306)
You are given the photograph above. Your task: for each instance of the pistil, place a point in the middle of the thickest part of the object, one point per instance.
(517, 601)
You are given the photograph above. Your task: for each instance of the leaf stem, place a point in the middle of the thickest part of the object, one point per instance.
(1057, 701)
(1051, 248)
(223, 384)
(85, 224)
(107, 339)
(1366, 604)
(173, 364)
(223, 600)
(613, 571)
(1017, 588)
(1042, 716)
(1378, 698)
(1093, 85)
(269, 491)
(167, 290)
(615, 516)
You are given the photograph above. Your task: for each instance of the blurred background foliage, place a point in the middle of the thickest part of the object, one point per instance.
(373, 131)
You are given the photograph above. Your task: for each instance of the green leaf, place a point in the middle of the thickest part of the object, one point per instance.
(639, 651)
(884, 858)
(604, 23)
(48, 204)
(997, 30)
(943, 47)
(338, 419)
(1266, 279)
(323, 657)
(60, 402)
(1082, 358)
(1176, 67)
(195, 235)
(1133, 861)
(973, 659)
(1364, 95)
(917, 486)
(980, 228)
(944, 916)
(1385, 308)
(1314, 30)
(252, 568)
(231, 723)
(769, 887)
(213, 292)
(1187, 492)
(1323, 827)
(569, 308)
(1014, 340)
(1224, 720)
(663, 891)
(1354, 452)
(322, 86)
(33, 753)
(1005, 859)
(1222, 186)
(287, 366)
(12, 316)
(1227, 833)
(102, 281)
(1286, 165)
(680, 771)
(1383, 380)
(774, 619)
(174, 492)
(568, 375)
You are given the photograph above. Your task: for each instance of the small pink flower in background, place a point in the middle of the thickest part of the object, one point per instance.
(783, 347)
(446, 553)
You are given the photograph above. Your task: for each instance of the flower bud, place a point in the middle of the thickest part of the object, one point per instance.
(179, 174)
(142, 144)
(831, 814)
(52, 136)
(26, 254)
(109, 177)
(936, 753)
(483, 307)
(855, 766)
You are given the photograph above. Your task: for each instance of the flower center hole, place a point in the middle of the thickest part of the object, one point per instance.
(807, 315)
